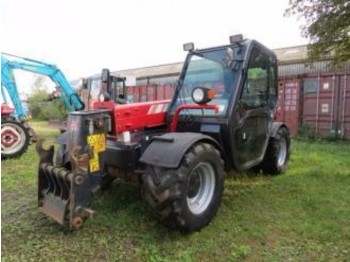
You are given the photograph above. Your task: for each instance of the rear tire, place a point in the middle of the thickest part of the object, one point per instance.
(277, 153)
(15, 138)
(189, 196)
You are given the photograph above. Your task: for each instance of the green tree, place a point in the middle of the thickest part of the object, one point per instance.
(327, 26)
(44, 108)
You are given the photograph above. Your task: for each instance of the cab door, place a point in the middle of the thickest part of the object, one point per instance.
(253, 110)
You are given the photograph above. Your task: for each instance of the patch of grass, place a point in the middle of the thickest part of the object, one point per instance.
(303, 214)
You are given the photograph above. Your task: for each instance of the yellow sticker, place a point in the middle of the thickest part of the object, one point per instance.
(97, 142)
(94, 163)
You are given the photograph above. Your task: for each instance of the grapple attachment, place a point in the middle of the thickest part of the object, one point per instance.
(65, 187)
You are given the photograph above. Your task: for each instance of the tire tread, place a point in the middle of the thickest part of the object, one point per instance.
(162, 187)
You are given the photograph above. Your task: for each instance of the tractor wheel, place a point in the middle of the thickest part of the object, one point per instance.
(277, 153)
(189, 196)
(15, 138)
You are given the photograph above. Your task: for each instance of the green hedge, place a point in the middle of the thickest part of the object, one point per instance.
(43, 109)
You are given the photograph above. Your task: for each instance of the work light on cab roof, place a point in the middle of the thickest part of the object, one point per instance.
(233, 39)
(236, 38)
(189, 47)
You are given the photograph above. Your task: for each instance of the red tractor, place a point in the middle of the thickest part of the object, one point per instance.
(220, 118)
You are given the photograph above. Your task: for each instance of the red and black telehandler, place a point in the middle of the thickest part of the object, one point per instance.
(220, 118)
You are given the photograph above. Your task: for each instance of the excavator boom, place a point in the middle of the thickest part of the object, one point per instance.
(70, 99)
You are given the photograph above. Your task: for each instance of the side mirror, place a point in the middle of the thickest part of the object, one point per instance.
(105, 75)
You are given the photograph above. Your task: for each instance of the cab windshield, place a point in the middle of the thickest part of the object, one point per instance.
(95, 89)
(214, 69)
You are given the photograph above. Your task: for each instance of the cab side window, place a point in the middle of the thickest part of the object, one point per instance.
(256, 86)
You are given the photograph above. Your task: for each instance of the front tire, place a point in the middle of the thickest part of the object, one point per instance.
(189, 196)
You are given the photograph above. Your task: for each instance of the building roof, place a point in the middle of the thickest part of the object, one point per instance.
(152, 71)
(291, 54)
(285, 55)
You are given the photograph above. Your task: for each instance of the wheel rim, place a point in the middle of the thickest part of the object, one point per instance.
(201, 188)
(282, 154)
(13, 138)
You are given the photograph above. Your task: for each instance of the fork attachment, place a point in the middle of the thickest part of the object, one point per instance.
(65, 188)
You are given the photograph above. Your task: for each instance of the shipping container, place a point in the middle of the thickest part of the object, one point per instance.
(344, 109)
(143, 93)
(289, 108)
(151, 92)
(133, 94)
(169, 90)
(161, 92)
(326, 109)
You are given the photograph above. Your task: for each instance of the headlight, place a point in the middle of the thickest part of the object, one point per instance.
(198, 95)
(104, 97)
(203, 95)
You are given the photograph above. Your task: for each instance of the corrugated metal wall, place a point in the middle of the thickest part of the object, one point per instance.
(302, 68)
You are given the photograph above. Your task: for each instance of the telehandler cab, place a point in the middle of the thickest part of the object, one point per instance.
(221, 117)
(113, 85)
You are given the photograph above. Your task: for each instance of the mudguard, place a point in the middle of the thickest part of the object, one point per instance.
(168, 150)
(275, 126)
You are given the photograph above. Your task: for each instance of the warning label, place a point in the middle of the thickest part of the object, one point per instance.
(97, 143)
(94, 163)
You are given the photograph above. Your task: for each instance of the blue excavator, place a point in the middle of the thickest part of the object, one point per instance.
(15, 132)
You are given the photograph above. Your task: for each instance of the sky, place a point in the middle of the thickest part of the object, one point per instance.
(83, 36)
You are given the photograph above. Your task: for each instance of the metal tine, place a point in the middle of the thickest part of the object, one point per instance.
(53, 179)
(61, 174)
(58, 191)
(68, 181)
(46, 179)
(50, 183)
